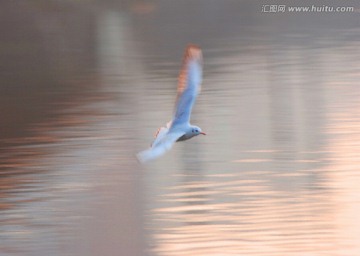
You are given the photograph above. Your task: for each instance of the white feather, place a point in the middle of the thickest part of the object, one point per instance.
(164, 144)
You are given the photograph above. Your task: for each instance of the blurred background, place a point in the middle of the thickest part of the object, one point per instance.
(85, 84)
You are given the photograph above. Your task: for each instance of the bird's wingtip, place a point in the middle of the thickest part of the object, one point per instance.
(144, 156)
(140, 157)
(192, 51)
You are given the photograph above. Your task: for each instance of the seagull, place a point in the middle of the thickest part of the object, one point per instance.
(179, 128)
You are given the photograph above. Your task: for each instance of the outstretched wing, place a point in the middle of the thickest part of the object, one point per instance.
(161, 132)
(189, 84)
(160, 147)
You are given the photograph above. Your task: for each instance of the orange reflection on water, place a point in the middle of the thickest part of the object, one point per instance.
(344, 175)
(234, 216)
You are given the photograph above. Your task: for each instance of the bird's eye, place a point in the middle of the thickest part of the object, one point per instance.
(196, 130)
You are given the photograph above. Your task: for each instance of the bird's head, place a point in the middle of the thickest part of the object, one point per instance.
(195, 130)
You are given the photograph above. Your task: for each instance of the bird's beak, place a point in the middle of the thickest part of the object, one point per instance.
(203, 133)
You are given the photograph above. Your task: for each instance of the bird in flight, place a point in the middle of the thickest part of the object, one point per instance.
(179, 128)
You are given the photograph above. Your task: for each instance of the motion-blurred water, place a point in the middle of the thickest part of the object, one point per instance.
(85, 85)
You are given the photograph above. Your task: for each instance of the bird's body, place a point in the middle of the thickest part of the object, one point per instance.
(179, 128)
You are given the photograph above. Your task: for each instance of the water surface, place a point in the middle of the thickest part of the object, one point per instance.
(88, 84)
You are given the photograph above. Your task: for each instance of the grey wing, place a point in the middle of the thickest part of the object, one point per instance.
(161, 132)
(190, 79)
(163, 145)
